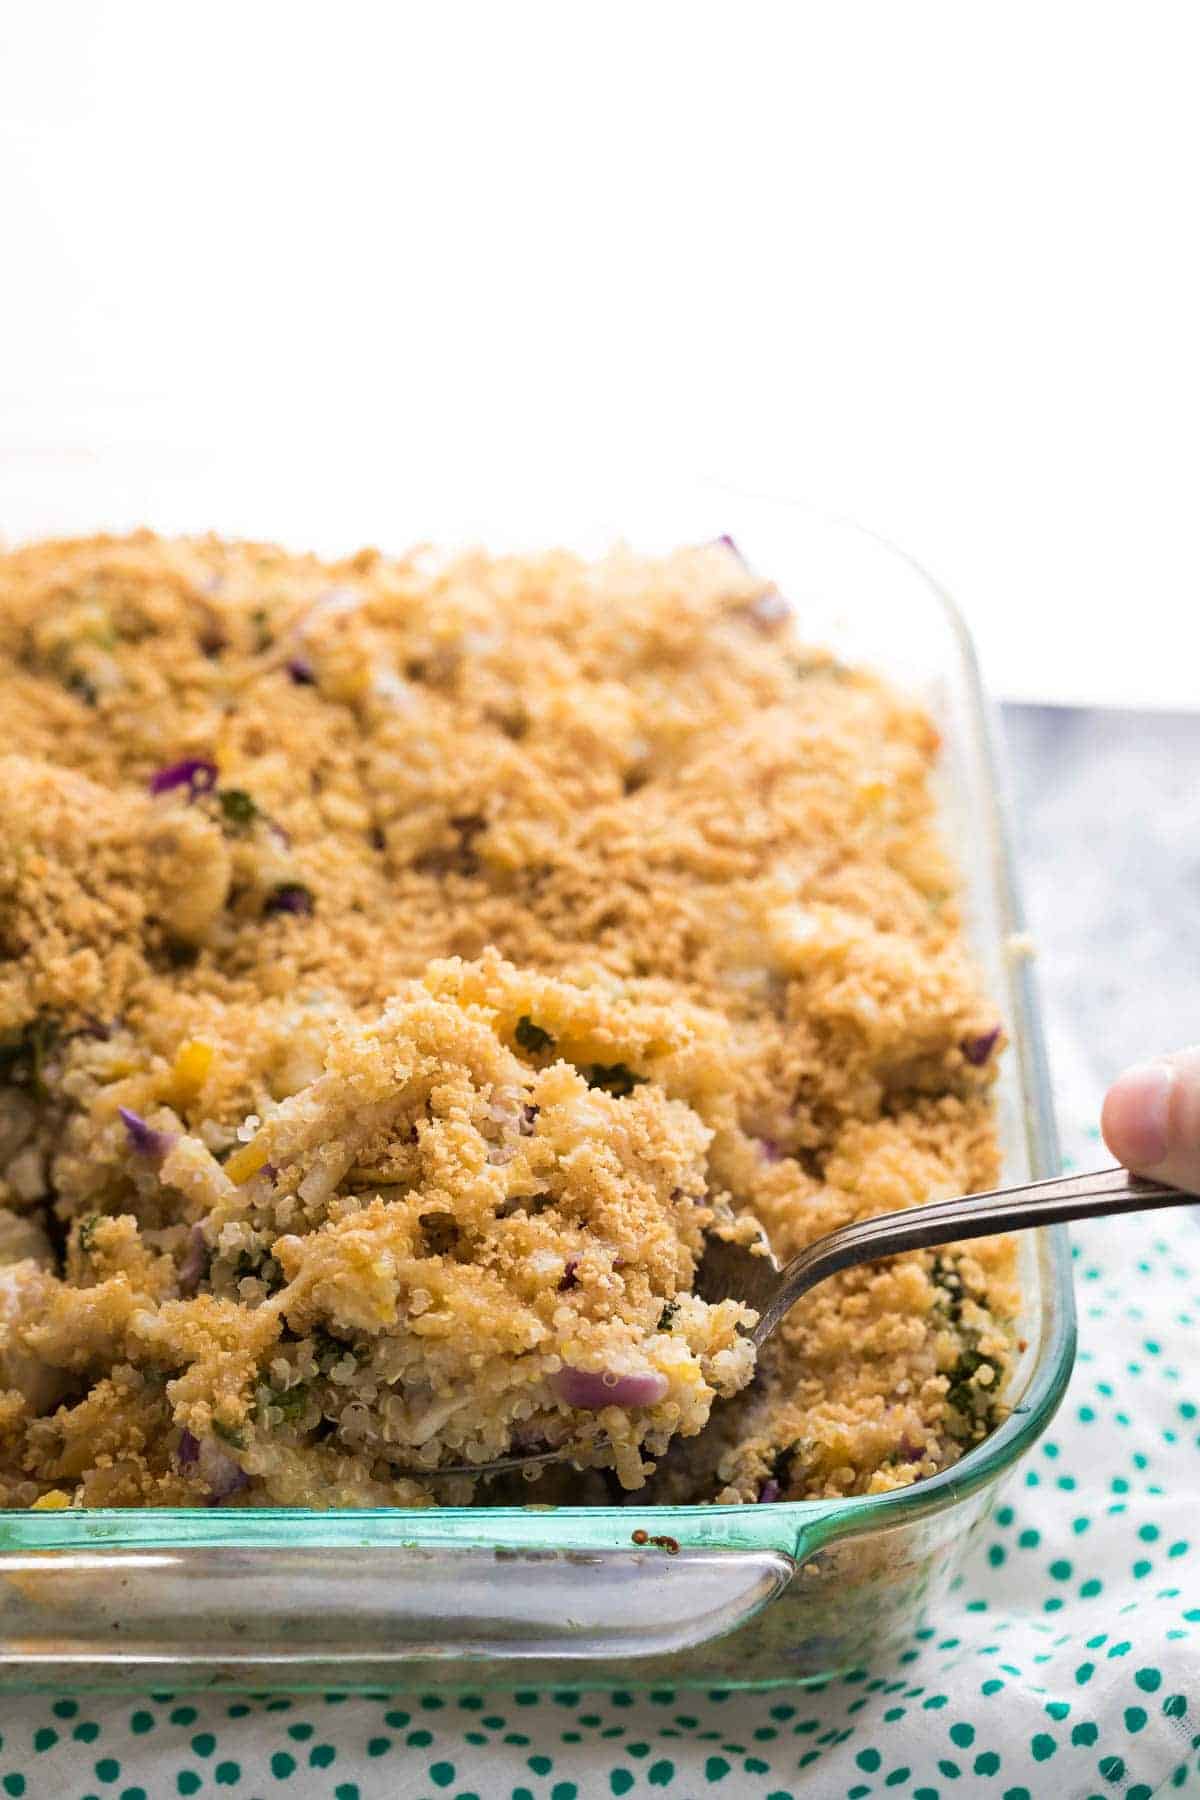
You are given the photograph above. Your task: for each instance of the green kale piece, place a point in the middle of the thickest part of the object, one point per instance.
(238, 807)
(531, 1037)
(291, 1402)
(23, 1053)
(617, 1079)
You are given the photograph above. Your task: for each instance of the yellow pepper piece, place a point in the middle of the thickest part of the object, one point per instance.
(54, 1501)
(245, 1162)
(189, 1071)
(872, 793)
(120, 1067)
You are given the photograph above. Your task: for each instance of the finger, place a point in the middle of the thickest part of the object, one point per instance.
(1151, 1118)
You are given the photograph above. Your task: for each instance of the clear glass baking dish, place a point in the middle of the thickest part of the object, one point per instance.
(754, 1595)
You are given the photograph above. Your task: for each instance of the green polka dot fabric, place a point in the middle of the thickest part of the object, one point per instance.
(1066, 1665)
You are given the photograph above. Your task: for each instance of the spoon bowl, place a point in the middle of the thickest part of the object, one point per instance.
(747, 1271)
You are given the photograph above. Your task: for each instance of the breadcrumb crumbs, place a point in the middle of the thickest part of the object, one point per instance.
(404, 964)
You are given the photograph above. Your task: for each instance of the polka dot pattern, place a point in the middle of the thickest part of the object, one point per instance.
(1064, 1662)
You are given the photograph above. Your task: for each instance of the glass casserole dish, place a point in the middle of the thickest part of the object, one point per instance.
(727, 1595)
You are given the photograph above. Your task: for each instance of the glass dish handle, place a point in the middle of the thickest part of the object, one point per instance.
(292, 1606)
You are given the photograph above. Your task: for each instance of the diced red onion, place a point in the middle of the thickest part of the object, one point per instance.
(569, 1277)
(769, 1150)
(976, 1050)
(194, 1263)
(768, 610)
(301, 671)
(591, 1389)
(769, 1491)
(290, 897)
(223, 1475)
(196, 773)
(187, 1451)
(142, 1137)
(909, 1452)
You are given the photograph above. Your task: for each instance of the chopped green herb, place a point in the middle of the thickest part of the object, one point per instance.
(962, 1394)
(23, 1053)
(948, 1281)
(271, 1275)
(262, 636)
(531, 1037)
(237, 806)
(440, 1230)
(808, 666)
(291, 1402)
(87, 1231)
(328, 1350)
(666, 1317)
(783, 1469)
(615, 1078)
(77, 683)
(231, 1434)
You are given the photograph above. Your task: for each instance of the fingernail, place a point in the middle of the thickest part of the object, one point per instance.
(1146, 1112)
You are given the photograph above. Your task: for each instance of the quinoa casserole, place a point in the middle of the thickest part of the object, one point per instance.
(404, 964)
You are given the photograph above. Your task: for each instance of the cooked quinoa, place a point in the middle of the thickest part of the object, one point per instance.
(404, 965)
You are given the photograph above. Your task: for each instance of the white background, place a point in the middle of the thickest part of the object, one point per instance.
(347, 271)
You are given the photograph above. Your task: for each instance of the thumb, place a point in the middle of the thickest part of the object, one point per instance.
(1151, 1118)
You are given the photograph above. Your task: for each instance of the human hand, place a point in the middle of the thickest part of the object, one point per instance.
(1151, 1118)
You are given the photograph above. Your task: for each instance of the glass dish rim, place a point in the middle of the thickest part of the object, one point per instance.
(753, 1527)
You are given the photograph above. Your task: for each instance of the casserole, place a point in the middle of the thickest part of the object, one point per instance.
(703, 1594)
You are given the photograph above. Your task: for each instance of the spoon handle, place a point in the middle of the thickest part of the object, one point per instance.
(1051, 1202)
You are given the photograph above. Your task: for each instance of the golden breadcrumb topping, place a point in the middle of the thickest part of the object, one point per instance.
(405, 964)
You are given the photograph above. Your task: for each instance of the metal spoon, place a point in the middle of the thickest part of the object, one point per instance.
(750, 1273)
